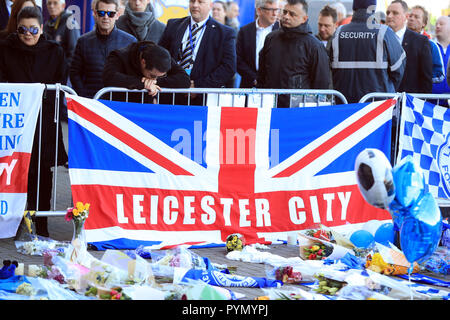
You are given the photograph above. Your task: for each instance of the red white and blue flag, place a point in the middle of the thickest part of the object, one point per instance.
(158, 175)
(19, 109)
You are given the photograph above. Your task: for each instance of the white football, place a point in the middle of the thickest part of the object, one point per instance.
(374, 175)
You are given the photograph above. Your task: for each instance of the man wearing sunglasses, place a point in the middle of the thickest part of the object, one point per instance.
(251, 38)
(93, 48)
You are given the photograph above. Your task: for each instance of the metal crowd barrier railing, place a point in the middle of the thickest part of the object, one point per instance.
(52, 212)
(436, 99)
(238, 97)
(322, 97)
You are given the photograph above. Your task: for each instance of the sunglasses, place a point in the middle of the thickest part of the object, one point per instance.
(101, 13)
(32, 30)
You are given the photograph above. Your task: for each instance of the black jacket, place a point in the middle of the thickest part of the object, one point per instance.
(4, 15)
(419, 64)
(66, 33)
(122, 69)
(41, 63)
(293, 58)
(89, 58)
(365, 58)
(246, 54)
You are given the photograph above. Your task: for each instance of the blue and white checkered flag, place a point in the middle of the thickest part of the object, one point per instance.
(424, 134)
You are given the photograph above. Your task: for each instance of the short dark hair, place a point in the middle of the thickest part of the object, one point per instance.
(402, 3)
(30, 12)
(155, 57)
(425, 13)
(302, 2)
(95, 3)
(328, 11)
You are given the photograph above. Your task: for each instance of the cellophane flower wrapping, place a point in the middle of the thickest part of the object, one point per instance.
(307, 246)
(35, 245)
(179, 257)
(286, 273)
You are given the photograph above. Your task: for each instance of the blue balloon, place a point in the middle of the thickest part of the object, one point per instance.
(362, 239)
(409, 182)
(410, 187)
(421, 230)
(385, 234)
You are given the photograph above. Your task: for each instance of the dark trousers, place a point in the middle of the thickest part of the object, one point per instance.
(45, 192)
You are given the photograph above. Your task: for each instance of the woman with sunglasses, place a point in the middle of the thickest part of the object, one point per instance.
(17, 5)
(27, 57)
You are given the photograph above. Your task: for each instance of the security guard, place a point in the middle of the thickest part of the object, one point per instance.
(365, 55)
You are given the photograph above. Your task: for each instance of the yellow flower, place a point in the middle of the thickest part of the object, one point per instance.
(80, 206)
(86, 206)
(75, 212)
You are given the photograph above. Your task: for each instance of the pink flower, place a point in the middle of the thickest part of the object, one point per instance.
(69, 214)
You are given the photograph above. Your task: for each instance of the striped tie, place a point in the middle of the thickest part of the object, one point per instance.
(186, 56)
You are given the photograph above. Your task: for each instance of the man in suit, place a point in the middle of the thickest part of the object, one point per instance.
(202, 46)
(419, 64)
(251, 38)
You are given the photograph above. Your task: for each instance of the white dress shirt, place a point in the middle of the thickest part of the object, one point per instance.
(9, 4)
(401, 33)
(261, 34)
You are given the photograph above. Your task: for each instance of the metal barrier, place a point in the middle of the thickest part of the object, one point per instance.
(423, 96)
(52, 212)
(239, 97)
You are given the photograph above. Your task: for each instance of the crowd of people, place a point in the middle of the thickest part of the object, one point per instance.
(373, 51)
(128, 47)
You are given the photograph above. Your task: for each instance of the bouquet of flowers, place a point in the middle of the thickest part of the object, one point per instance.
(78, 216)
(312, 248)
(320, 233)
(317, 251)
(288, 274)
(328, 285)
(235, 241)
(178, 257)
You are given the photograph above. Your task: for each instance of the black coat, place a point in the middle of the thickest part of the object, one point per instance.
(59, 31)
(41, 63)
(89, 58)
(122, 69)
(293, 58)
(419, 64)
(246, 54)
(4, 15)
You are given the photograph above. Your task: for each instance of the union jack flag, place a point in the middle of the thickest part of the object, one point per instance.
(164, 175)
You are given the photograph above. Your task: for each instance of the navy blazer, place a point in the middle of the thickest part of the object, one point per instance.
(419, 64)
(4, 15)
(215, 63)
(246, 54)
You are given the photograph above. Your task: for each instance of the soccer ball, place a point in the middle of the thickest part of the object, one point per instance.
(374, 176)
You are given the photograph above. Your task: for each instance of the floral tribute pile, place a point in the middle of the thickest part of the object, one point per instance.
(327, 266)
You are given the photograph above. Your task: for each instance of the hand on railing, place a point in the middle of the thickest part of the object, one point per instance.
(151, 86)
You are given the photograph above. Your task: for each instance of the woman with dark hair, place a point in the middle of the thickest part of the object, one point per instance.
(27, 57)
(18, 5)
